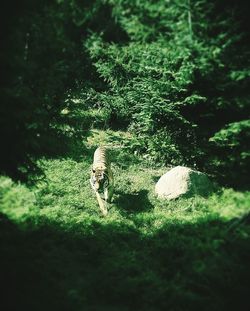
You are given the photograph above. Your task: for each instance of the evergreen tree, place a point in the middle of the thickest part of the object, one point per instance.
(175, 82)
(174, 72)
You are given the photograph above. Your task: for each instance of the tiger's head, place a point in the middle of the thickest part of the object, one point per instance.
(99, 178)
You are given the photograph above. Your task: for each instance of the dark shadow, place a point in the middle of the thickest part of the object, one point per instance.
(34, 89)
(236, 223)
(155, 178)
(105, 22)
(113, 266)
(133, 202)
(51, 144)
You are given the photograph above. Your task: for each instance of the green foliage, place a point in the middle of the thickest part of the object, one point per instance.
(172, 78)
(176, 76)
(231, 150)
(234, 135)
(149, 85)
(178, 69)
(16, 201)
(42, 60)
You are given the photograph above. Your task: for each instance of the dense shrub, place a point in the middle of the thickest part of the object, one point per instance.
(232, 152)
(172, 72)
(174, 83)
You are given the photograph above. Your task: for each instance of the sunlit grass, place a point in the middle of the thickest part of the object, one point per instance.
(64, 195)
(147, 254)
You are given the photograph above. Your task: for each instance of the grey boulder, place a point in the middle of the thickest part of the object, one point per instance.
(182, 181)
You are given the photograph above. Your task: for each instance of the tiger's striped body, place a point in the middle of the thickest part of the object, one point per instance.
(101, 178)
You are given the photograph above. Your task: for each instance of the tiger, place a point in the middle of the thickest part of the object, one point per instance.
(101, 178)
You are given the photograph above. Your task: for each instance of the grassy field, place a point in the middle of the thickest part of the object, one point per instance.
(58, 253)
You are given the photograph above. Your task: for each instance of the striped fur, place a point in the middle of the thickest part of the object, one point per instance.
(101, 178)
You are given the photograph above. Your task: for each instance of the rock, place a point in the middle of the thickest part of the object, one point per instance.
(182, 181)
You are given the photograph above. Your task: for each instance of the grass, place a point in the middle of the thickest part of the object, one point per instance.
(58, 253)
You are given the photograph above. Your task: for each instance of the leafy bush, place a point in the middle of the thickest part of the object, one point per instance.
(175, 76)
(231, 152)
(16, 201)
(166, 70)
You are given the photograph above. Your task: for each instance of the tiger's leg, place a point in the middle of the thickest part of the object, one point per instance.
(92, 184)
(110, 190)
(102, 206)
(108, 193)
